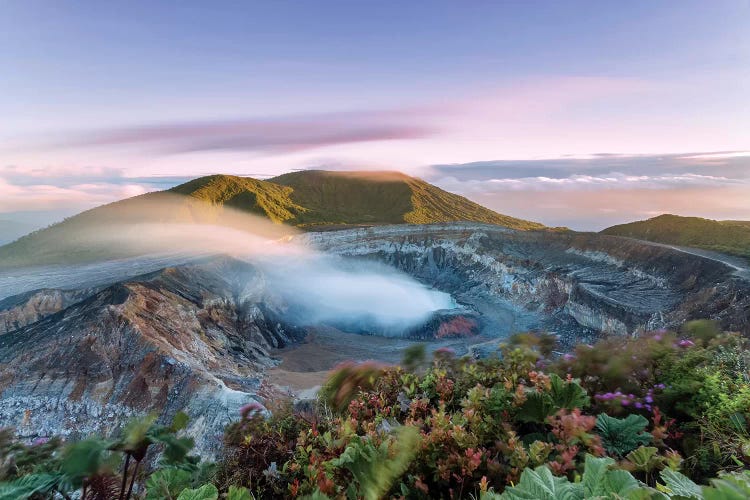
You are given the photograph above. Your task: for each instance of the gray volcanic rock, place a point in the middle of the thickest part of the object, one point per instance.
(192, 338)
(86, 356)
(21, 310)
(574, 284)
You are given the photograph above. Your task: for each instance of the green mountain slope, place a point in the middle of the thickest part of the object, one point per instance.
(308, 199)
(382, 198)
(732, 237)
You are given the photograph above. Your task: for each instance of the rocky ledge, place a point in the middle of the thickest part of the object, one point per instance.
(576, 284)
(194, 338)
(199, 336)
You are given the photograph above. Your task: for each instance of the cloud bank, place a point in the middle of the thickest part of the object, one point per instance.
(604, 189)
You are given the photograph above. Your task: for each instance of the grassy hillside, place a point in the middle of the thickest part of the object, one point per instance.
(382, 198)
(732, 237)
(308, 199)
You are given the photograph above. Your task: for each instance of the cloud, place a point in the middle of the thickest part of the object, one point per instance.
(65, 188)
(605, 170)
(50, 197)
(266, 135)
(581, 182)
(598, 190)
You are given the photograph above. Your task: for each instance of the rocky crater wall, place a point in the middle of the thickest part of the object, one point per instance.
(571, 283)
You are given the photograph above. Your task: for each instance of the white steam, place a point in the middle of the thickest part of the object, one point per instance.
(332, 289)
(318, 287)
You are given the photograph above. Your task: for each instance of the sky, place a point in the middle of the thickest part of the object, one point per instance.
(582, 114)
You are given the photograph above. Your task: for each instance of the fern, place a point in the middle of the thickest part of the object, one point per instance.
(621, 436)
(29, 485)
(374, 468)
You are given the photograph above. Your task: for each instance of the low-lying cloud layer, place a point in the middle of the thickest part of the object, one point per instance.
(317, 287)
(604, 189)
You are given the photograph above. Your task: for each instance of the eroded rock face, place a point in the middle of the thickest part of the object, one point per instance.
(25, 309)
(192, 338)
(197, 336)
(544, 279)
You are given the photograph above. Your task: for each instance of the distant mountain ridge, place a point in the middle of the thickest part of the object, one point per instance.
(731, 237)
(310, 199)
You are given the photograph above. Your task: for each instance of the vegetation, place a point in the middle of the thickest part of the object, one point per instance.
(664, 416)
(361, 198)
(310, 199)
(732, 237)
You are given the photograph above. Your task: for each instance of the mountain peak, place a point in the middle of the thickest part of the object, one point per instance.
(309, 199)
(324, 198)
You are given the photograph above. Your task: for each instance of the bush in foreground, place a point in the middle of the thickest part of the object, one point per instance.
(653, 417)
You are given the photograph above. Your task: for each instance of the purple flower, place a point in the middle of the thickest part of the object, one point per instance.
(638, 404)
(40, 441)
(649, 399)
(625, 402)
(686, 343)
(568, 357)
(660, 386)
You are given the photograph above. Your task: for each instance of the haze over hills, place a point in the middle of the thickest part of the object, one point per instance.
(731, 237)
(311, 199)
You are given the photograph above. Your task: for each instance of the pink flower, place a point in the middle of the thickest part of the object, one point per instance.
(250, 409)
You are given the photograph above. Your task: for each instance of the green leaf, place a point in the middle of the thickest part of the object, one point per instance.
(316, 495)
(621, 436)
(135, 438)
(734, 486)
(536, 408)
(680, 485)
(619, 482)
(175, 449)
(205, 492)
(593, 476)
(540, 484)
(566, 394)
(645, 458)
(739, 422)
(167, 483)
(375, 469)
(238, 493)
(84, 458)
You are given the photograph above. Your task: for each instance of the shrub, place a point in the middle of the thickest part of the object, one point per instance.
(667, 413)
